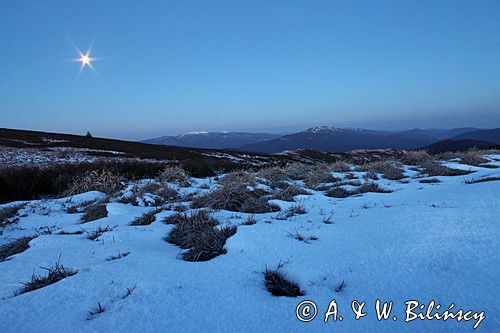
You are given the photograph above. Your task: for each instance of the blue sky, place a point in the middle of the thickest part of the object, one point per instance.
(168, 67)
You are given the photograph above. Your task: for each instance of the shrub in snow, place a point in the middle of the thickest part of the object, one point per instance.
(278, 285)
(54, 274)
(196, 234)
(16, 246)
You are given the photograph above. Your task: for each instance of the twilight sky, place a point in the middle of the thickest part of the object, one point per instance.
(168, 67)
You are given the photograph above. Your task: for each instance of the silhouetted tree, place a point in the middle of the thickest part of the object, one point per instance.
(88, 135)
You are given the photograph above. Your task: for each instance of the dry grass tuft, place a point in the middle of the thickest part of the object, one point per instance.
(339, 167)
(481, 180)
(97, 180)
(54, 274)
(147, 218)
(94, 212)
(95, 234)
(288, 193)
(472, 157)
(234, 196)
(433, 168)
(319, 174)
(249, 221)
(8, 215)
(338, 192)
(430, 181)
(273, 175)
(278, 285)
(196, 234)
(389, 169)
(174, 174)
(16, 246)
(418, 157)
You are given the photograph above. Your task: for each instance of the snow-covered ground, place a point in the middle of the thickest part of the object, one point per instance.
(421, 242)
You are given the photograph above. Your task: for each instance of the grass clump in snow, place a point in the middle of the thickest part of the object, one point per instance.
(118, 256)
(430, 181)
(389, 169)
(96, 180)
(418, 157)
(94, 212)
(371, 187)
(16, 246)
(249, 221)
(338, 192)
(8, 214)
(277, 283)
(317, 175)
(472, 157)
(433, 168)
(273, 175)
(147, 218)
(174, 174)
(301, 238)
(54, 274)
(234, 195)
(196, 234)
(289, 192)
(95, 234)
(481, 180)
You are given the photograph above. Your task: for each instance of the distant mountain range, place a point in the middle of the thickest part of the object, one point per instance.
(214, 140)
(332, 139)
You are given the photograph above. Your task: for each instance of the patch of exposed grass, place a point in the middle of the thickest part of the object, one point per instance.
(277, 283)
(16, 246)
(54, 274)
